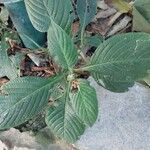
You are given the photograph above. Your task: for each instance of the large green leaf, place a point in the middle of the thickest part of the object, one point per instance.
(63, 121)
(7, 68)
(85, 102)
(61, 47)
(121, 59)
(86, 10)
(42, 11)
(25, 98)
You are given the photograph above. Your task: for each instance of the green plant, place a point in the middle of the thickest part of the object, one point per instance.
(30, 36)
(68, 99)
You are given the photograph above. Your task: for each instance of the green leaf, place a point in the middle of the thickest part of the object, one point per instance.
(121, 59)
(143, 7)
(86, 10)
(58, 91)
(114, 86)
(61, 47)
(17, 59)
(85, 102)
(8, 1)
(42, 11)
(25, 98)
(95, 40)
(141, 16)
(7, 68)
(63, 121)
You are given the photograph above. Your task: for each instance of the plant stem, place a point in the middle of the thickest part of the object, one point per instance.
(82, 38)
(82, 55)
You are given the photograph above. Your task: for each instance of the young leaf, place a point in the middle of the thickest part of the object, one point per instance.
(85, 102)
(121, 59)
(61, 47)
(42, 11)
(63, 121)
(25, 98)
(86, 10)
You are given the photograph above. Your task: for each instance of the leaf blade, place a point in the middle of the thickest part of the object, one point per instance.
(7, 68)
(86, 10)
(25, 98)
(113, 86)
(143, 7)
(141, 16)
(63, 122)
(119, 62)
(61, 47)
(41, 12)
(85, 102)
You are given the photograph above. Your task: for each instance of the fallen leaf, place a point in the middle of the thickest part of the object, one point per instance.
(120, 5)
